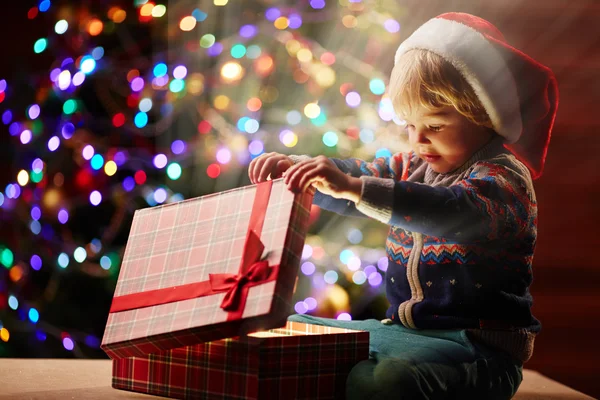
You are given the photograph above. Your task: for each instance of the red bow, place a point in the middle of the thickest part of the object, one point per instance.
(255, 271)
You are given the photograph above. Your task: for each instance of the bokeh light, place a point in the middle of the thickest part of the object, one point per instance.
(308, 268)
(34, 315)
(63, 260)
(187, 23)
(68, 343)
(40, 45)
(331, 277)
(95, 198)
(160, 161)
(174, 171)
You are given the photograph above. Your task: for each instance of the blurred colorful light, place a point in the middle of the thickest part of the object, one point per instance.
(53, 143)
(330, 139)
(141, 119)
(317, 4)
(353, 99)
(64, 80)
(174, 171)
(308, 268)
(160, 195)
(26, 136)
(145, 105)
(301, 307)
(199, 15)
(34, 315)
(311, 303)
(160, 161)
(95, 198)
(88, 64)
(63, 216)
(330, 277)
(13, 302)
(80, 254)
(68, 343)
(160, 69)
(178, 147)
(105, 262)
(78, 78)
(180, 72)
(392, 26)
(35, 262)
(176, 85)
(159, 10)
(40, 45)
(223, 156)
(67, 130)
(382, 264)
(63, 260)
(187, 23)
(248, 31)
(238, 51)
(272, 14)
(137, 84)
(344, 317)
(97, 162)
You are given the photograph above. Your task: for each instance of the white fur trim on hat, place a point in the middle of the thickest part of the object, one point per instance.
(480, 64)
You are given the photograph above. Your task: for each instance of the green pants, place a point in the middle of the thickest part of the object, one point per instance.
(425, 364)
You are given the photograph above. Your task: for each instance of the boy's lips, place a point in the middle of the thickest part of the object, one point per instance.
(430, 157)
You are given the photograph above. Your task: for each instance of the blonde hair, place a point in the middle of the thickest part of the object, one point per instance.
(424, 78)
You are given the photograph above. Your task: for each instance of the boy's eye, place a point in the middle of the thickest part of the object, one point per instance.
(436, 128)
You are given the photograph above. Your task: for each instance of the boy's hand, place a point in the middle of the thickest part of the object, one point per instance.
(273, 164)
(325, 176)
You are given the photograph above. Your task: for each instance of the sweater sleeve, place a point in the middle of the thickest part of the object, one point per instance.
(494, 201)
(381, 167)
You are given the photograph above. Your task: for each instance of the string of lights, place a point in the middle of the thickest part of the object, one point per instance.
(120, 123)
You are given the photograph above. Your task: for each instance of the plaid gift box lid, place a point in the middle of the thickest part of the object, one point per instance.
(208, 268)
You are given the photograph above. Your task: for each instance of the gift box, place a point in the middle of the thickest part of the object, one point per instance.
(299, 361)
(206, 271)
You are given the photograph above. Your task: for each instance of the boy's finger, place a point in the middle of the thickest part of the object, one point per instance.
(293, 178)
(250, 170)
(291, 171)
(260, 165)
(280, 168)
(266, 169)
(253, 167)
(308, 179)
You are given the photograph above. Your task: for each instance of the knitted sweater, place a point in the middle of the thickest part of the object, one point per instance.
(460, 244)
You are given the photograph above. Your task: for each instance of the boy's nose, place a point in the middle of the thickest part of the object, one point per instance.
(421, 137)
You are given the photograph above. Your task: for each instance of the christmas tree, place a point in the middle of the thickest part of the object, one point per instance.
(151, 103)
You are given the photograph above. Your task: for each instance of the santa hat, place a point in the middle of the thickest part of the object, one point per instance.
(519, 94)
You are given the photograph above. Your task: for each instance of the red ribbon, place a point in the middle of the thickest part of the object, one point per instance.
(237, 285)
(252, 272)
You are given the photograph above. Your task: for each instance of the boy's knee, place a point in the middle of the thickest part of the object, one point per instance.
(388, 379)
(399, 377)
(360, 383)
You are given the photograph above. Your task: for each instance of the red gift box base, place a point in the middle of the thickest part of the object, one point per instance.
(299, 361)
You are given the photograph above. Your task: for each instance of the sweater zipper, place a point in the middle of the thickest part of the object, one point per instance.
(416, 290)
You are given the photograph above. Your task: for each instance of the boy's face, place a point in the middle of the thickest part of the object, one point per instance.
(444, 138)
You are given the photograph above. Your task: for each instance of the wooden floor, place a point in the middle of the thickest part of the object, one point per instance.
(51, 379)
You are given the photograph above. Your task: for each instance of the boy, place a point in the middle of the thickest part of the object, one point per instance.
(461, 209)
